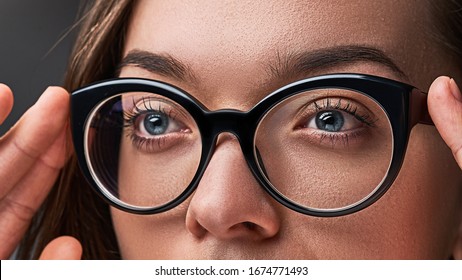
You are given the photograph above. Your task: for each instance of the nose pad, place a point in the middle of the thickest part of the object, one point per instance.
(229, 203)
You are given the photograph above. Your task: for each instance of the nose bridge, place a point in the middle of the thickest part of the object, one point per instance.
(231, 121)
(234, 122)
(228, 202)
(241, 124)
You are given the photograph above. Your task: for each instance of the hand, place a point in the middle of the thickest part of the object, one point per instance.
(445, 108)
(31, 156)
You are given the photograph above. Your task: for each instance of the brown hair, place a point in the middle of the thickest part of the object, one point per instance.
(72, 208)
(447, 29)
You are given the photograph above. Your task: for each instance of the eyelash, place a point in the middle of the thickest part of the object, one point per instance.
(130, 117)
(349, 108)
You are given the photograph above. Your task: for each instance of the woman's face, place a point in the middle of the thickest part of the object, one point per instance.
(233, 53)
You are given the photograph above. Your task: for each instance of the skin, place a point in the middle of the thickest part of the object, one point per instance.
(229, 70)
(230, 216)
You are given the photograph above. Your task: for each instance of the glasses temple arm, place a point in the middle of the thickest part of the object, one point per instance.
(419, 109)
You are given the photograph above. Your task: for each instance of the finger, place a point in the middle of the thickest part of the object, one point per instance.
(31, 154)
(6, 102)
(24, 144)
(445, 108)
(19, 206)
(62, 248)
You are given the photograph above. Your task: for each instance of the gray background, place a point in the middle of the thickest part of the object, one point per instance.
(32, 56)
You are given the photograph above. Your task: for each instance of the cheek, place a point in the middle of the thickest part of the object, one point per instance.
(150, 237)
(134, 239)
(416, 219)
(152, 179)
(421, 210)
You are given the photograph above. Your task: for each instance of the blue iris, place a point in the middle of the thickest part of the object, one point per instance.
(156, 123)
(331, 121)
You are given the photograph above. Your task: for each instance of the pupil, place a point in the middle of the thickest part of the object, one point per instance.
(156, 124)
(331, 121)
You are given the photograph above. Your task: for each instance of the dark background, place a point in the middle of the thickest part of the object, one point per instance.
(33, 48)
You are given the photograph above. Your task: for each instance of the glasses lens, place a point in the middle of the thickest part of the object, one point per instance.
(325, 149)
(143, 149)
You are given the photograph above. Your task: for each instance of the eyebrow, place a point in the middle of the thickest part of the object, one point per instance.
(283, 66)
(161, 64)
(289, 65)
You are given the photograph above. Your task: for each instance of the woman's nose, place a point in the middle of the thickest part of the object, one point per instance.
(229, 203)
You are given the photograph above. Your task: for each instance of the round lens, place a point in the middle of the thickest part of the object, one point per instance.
(142, 149)
(325, 149)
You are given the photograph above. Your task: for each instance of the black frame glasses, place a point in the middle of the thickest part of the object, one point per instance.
(405, 106)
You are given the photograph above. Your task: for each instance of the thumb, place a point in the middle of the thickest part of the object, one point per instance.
(445, 108)
(62, 248)
(6, 102)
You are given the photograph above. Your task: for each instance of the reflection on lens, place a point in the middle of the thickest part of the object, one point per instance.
(143, 149)
(325, 149)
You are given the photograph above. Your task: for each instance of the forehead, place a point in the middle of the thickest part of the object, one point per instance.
(223, 39)
(247, 27)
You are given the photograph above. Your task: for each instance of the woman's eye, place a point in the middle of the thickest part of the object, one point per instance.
(333, 121)
(154, 124)
(151, 124)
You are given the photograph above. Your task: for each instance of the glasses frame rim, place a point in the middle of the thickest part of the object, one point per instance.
(404, 104)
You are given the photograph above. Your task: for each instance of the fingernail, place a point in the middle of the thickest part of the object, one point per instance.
(455, 90)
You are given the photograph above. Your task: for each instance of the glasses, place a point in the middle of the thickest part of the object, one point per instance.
(324, 146)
